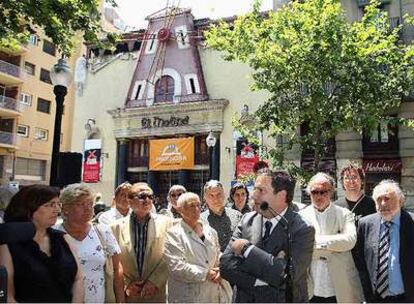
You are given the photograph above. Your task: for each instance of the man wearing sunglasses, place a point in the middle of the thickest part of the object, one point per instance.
(141, 237)
(333, 275)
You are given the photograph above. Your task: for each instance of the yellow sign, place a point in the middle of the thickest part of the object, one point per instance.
(171, 154)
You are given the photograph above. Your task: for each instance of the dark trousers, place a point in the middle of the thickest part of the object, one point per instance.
(316, 299)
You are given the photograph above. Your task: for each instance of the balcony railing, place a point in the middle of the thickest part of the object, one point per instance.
(9, 103)
(366, 2)
(177, 99)
(7, 138)
(11, 69)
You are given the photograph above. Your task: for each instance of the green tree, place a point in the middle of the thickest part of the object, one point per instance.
(319, 68)
(61, 20)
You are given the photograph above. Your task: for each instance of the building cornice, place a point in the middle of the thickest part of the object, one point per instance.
(199, 117)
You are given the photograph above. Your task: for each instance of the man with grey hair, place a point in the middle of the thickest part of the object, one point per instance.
(385, 251)
(333, 276)
(224, 220)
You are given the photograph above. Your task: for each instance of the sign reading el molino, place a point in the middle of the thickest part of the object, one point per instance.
(172, 154)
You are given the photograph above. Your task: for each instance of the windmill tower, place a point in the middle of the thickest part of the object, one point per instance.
(168, 68)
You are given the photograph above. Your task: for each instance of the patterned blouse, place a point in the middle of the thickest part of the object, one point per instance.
(92, 260)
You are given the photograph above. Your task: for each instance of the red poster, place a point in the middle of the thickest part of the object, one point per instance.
(245, 162)
(91, 165)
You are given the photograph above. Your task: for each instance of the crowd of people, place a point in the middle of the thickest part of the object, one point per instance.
(201, 250)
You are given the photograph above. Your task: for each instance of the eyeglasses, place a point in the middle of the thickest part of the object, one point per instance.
(140, 196)
(321, 192)
(176, 194)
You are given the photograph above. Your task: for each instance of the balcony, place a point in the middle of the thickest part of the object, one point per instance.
(8, 140)
(9, 107)
(366, 2)
(21, 49)
(11, 74)
(177, 100)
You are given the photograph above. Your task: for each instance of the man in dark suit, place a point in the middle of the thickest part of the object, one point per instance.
(385, 248)
(255, 261)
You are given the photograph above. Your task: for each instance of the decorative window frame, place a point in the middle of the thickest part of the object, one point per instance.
(187, 78)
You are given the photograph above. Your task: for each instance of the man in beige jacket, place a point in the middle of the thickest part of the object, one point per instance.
(333, 276)
(141, 237)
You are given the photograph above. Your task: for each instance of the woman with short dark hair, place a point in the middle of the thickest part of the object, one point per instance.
(44, 269)
(239, 196)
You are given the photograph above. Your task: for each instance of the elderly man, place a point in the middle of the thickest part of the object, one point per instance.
(333, 276)
(141, 237)
(121, 205)
(224, 220)
(256, 260)
(385, 248)
(353, 178)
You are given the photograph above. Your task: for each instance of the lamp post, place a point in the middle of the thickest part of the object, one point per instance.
(61, 79)
(211, 142)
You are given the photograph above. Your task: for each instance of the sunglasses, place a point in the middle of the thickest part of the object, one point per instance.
(176, 194)
(322, 192)
(140, 196)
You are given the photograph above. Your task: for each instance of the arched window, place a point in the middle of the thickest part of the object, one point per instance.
(164, 89)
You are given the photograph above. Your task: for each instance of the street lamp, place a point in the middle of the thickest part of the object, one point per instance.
(211, 142)
(61, 79)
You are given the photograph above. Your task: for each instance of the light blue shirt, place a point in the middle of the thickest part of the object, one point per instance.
(396, 285)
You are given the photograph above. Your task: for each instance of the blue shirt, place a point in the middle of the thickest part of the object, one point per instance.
(396, 285)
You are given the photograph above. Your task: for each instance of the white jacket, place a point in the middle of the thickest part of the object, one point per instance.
(189, 259)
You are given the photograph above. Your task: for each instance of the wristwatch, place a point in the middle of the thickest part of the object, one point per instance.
(244, 248)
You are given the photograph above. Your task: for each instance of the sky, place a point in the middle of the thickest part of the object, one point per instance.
(133, 12)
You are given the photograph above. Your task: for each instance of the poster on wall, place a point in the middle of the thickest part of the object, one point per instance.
(172, 154)
(92, 160)
(245, 161)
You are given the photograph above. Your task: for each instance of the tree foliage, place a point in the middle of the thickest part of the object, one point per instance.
(60, 20)
(319, 68)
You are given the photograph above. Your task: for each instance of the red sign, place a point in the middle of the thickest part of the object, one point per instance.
(245, 162)
(91, 165)
(382, 165)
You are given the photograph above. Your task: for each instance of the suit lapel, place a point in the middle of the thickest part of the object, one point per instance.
(279, 235)
(331, 220)
(375, 241)
(311, 216)
(127, 237)
(151, 235)
(256, 233)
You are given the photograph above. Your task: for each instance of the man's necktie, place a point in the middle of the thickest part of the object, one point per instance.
(268, 227)
(383, 254)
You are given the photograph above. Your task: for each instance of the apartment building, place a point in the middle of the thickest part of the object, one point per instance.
(27, 111)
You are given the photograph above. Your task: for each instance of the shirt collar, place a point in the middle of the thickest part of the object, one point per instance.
(324, 211)
(215, 214)
(395, 220)
(276, 219)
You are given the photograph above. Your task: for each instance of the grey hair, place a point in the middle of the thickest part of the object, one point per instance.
(380, 189)
(185, 198)
(73, 192)
(320, 175)
(212, 184)
(176, 188)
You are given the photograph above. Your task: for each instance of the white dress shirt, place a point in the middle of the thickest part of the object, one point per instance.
(319, 268)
